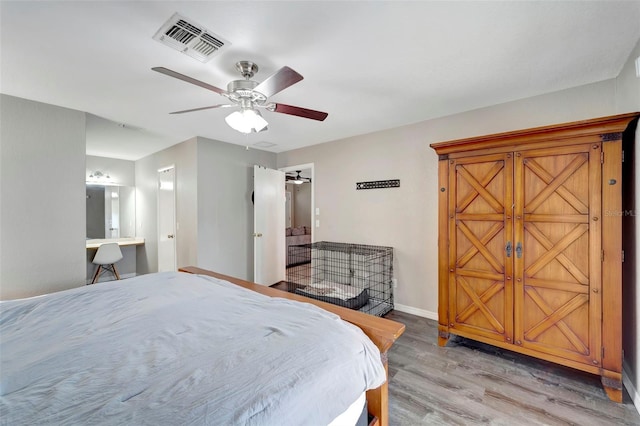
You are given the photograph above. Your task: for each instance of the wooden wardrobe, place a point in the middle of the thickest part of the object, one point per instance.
(530, 243)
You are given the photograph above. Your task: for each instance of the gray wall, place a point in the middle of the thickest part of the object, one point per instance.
(302, 204)
(42, 198)
(225, 211)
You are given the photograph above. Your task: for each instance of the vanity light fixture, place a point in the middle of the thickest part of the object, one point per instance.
(98, 175)
(99, 178)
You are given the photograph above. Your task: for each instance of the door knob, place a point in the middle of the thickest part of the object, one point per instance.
(169, 236)
(257, 234)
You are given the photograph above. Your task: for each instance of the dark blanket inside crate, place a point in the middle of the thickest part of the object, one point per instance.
(331, 294)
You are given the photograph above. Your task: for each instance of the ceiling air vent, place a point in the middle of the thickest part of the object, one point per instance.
(190, 38)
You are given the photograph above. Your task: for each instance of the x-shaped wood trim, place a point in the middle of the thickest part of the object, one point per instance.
(553, 186)
(560, 257)
(562, 191)
(477, 301)
(556, 318)
(495, 288)
(484, 251)
(557, 249)
(483, 182)
(468, 255)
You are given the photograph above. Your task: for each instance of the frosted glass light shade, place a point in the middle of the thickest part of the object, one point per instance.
(246, 121)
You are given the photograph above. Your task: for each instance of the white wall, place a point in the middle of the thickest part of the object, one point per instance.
(183, 157)
(406, 217)
(42, 198)
(225, 211)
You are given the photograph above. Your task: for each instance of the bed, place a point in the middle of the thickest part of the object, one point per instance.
(191, 347)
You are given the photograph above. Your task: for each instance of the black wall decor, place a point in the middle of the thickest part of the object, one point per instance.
(377, 184)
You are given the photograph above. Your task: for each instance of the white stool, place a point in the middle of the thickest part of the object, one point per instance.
(106, 257)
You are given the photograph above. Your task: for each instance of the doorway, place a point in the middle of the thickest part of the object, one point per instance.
(299, 182)
(288, 210)
(268, 224)
(167, 219)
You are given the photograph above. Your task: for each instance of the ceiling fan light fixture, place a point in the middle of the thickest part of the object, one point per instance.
(246, 121)
(298, 180)
(248, 94)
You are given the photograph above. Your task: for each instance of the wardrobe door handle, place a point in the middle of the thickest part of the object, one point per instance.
(519, 250)
(509, 249)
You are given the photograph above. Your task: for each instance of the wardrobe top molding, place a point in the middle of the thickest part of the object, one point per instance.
(577, 131)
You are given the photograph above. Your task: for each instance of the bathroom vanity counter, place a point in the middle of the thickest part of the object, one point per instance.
(128, 241)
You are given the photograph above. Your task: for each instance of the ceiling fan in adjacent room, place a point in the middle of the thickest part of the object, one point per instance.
(297, 179)
(250, 95)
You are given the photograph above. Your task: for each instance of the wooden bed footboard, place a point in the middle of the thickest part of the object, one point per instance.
(382, 332)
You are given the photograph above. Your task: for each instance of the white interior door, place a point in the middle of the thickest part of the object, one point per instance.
(167, 220)
(268, 226)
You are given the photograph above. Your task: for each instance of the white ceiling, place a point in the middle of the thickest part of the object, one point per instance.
(372, 65)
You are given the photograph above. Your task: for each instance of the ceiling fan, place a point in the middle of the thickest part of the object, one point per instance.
(250, 95)
(297, 179)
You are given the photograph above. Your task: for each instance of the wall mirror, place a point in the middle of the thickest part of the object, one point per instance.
(111, 211)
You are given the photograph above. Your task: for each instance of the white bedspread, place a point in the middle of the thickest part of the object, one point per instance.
(178, 349)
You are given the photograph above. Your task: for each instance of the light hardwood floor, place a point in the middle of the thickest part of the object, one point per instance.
(470, 383)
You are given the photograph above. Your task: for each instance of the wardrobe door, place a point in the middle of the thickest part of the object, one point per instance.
(558, 251)
(480, 263)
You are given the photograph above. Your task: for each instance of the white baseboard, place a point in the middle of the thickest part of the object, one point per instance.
(416, 311)
(633, 392)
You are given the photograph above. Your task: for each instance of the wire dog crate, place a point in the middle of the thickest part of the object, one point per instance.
(355, 276)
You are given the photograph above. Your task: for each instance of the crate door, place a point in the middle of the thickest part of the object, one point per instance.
(558, 249)
(480, 226)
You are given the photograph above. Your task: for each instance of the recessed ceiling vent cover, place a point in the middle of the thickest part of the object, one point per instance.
(190, 38)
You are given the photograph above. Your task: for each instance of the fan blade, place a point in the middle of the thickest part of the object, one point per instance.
(200, 109)
(300, 112)
(279, 81)
(183, 77)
